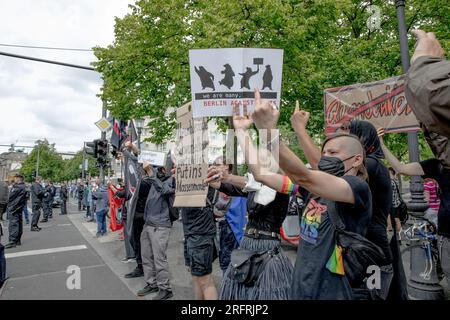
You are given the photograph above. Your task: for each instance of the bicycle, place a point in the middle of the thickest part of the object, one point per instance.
(423, 233)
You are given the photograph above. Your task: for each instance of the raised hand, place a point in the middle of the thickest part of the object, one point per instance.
(299, 118)
(215, 174)
(381, 133)
(427, 45)
(241, 122)
(265, 115)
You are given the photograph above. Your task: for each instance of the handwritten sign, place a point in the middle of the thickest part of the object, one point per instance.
(222, 78)
(382, 103)
(191, 156)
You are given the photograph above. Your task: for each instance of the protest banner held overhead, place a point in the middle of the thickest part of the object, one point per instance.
(382, 103)
(222, 78)
(191, 157)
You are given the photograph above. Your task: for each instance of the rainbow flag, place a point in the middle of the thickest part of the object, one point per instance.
(336, 263)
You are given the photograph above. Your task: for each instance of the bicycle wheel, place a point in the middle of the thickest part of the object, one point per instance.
(406, 258)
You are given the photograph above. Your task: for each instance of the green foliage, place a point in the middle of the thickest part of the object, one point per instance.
(50, 162)
(52, 166)
(326, 44)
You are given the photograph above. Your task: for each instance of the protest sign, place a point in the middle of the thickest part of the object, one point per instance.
(191, 156)
(382, 103)
(222, 78)
(154, 157)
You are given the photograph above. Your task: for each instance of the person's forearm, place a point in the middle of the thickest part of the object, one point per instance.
(292, 166)
(312, 153)
(237, 181)
(408, 169)
(396, 165)
(253, 159)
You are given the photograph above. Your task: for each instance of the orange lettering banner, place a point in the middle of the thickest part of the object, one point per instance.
(382, 103)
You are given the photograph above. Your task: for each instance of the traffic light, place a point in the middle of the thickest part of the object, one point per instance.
(102, 152)
(92, 148)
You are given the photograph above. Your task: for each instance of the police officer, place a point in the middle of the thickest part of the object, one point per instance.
(47, 201)
(52, 190)
(63, 194)
(16, 201)
(37, 194)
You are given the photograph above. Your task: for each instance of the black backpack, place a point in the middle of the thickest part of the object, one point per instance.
(358, 252)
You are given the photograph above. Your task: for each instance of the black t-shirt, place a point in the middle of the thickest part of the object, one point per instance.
(434, 169)
(144, 189)
(381, 189)
(200, 220)
(315, 275)
(268, 217)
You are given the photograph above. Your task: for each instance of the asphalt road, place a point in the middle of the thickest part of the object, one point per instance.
(70, 241)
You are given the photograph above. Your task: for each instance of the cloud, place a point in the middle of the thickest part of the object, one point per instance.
(40, 100)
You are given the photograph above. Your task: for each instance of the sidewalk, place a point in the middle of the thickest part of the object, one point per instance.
(37, 269)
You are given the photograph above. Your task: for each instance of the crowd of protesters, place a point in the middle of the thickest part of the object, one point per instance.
(351, 201)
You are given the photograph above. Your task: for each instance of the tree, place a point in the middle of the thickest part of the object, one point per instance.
(72, 167)
(326, 44)
(50, 162)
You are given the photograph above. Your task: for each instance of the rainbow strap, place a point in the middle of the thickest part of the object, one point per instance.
(288, 187)
(336, 263)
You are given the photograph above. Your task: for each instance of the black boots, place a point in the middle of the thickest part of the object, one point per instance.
(163, 295)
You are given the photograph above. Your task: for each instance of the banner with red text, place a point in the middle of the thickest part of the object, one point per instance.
(382, 103)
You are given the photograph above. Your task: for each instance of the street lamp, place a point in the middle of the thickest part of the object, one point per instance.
(139, 126)
(419, 287)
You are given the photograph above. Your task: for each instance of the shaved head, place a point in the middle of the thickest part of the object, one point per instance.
(349, 149)
(349, 144)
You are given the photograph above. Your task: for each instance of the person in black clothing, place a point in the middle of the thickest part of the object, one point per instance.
(2, 259)
(122, 194)
(380, 186)
(135, 213)
(52, 191)
(437, 170)
(335, 192)
(37, 194)
(47, 202)
(266, 211)
(199, 233)
(63, 194)
(138, 222)
(80, 194)
(16, 201)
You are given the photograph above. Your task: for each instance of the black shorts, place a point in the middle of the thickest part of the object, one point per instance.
(199, 254)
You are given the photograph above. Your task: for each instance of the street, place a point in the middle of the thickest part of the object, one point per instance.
(37, 269)
(42, 275)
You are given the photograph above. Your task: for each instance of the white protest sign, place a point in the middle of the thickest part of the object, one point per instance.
(154, 157)
(222, 78)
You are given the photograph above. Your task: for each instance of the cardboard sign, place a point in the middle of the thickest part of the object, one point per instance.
(382, 103)
(154, 157)
(191, 156)
(222, 78)
(190, 190)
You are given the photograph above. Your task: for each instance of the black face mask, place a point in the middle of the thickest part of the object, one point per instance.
(333, 165)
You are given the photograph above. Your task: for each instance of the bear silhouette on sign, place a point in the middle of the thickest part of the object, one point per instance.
(267, 78)
(227, 80)
(206, 78)
(245, 81)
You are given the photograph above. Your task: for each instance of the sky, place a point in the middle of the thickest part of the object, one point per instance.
(39, 100)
